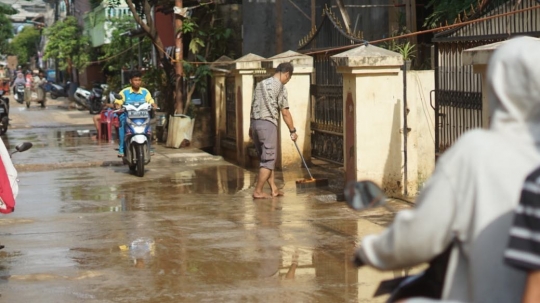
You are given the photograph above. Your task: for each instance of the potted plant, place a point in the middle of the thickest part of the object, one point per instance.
(408, 52)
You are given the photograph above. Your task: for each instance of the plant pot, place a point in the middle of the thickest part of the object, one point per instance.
(408, 64)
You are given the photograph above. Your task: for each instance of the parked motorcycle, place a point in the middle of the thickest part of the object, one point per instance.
(138, 136)
(97, 98)
(58, 90)
(4, 113)
(428, 284)
(19, 93)
(81, 96)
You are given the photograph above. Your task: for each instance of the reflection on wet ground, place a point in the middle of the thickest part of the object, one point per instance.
(184, 234)
(55, 146)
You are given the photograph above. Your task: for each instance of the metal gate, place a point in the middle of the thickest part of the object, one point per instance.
(326, 117)
(458, 90)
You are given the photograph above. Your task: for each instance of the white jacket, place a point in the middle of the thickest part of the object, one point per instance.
(10, 169)
(474, 189)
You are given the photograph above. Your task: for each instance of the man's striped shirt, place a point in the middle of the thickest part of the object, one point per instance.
(269, 97)
(524, 246)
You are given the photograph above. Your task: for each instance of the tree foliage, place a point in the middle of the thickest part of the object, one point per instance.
(446, 11)
(6, 28)
(120, 43)
(25, 44)
(201, 33)
(67, 44)
(207, 42)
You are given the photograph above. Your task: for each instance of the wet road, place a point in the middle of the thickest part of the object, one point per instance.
(183, 233)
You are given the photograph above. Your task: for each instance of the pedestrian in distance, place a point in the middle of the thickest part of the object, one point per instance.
(523, 250)
(132, 94)
(269, 99)
(38, 86)
(467, 204)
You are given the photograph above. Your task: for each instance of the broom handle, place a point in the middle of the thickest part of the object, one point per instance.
(303, 160)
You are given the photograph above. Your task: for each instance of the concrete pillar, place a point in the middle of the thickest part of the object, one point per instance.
(245, 67)
(299, 97)
(220, 69)
(372, 108)
(478, 57)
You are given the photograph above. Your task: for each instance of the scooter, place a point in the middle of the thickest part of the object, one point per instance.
(4, 113)
(428, 284)
(138, 136)
(19, 93)
(81, 96)
(58, 90)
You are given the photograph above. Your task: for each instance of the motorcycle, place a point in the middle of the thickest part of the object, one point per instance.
(97, 98)
(138, 136)
(19, 93)
(427, 284)
(58, 90)
(4, 113)
(81, 96)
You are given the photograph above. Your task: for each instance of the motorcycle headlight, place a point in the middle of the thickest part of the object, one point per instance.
(139, 129)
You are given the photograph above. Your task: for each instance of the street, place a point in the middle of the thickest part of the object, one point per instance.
(86, 230)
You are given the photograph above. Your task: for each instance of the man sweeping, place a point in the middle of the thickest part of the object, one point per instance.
(269, 98)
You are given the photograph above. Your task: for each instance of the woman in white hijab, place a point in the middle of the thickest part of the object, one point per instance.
(468, 202)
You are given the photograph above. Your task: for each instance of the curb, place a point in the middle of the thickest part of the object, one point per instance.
(55, 166)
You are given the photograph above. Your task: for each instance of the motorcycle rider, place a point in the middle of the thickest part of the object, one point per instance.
(132, 94)
(467, 204)
(18, 81)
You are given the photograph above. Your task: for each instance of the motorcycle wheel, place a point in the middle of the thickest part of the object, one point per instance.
(53, 96)
(5, 124)
(139, 151)
(95, 108)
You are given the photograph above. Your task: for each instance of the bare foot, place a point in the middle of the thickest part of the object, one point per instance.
(261, 196)
(277, 193)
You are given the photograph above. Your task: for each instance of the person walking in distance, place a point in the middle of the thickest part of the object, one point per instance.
(270, 98)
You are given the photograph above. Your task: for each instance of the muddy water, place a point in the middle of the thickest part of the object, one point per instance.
(181, 234)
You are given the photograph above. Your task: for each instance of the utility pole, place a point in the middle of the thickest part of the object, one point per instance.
(410, 15)
(178, 57)
(279, 26)
(56, 17)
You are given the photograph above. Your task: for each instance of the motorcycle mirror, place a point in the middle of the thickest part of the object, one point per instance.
(363, 195)
(24, 146)
(117, 96)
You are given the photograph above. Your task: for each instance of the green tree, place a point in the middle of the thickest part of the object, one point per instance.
(202, 34)
(25, 44)
(207, 42)
(120, 42)
(446, 11)
(6, 28)
(68, 45)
